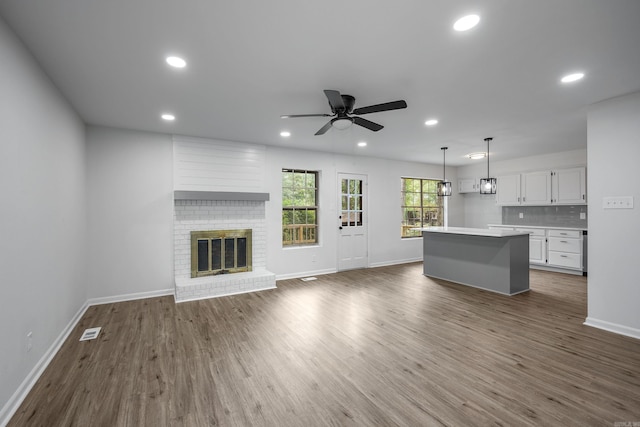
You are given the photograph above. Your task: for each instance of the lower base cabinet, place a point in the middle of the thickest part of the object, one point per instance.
(554, 248)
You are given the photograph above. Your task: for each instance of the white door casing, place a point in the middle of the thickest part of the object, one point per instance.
(352, 222)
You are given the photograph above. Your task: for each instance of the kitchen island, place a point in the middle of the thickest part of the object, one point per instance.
(494, 260)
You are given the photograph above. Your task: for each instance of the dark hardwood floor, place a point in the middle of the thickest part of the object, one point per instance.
(383, 346)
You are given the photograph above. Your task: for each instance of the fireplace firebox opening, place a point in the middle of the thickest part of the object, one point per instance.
(220, 252)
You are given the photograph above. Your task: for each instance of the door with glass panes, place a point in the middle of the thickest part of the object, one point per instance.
(352, 222)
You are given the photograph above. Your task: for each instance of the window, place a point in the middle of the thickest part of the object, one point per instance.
(299, 207)
(421, 205)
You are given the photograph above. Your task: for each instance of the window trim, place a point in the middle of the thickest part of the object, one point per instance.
(297, 243)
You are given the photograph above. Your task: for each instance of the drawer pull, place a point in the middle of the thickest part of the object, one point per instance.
(563, 256)
(563, 241)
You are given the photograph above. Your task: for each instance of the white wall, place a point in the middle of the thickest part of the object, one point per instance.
(42, 220)
(385, 244)
(614, 150)
(480, 210)
(130, 206)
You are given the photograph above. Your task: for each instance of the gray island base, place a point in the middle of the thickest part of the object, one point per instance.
(494, 260)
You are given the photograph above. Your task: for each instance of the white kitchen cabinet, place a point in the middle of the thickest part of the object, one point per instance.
(468, 185)
(508, 190)
(542, 188)
(536, 188)
(537, 245)
(569, 186)
(565, 249)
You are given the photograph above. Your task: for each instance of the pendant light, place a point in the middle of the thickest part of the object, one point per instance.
(444, 186)
(488, 185)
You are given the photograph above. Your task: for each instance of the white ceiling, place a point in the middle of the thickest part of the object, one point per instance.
(249, 61)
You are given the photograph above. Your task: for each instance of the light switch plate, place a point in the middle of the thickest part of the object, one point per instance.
(619, 202)
(583, 215)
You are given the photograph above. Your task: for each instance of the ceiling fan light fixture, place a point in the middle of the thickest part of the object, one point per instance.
(341, 123)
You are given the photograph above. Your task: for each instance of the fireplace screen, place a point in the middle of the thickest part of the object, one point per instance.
(220, 252)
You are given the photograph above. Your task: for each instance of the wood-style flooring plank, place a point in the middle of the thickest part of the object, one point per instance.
(383, 346)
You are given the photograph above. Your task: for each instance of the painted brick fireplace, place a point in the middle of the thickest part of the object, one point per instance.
(204, 215)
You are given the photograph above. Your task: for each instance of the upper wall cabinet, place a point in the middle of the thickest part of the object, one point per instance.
(536, 188)
(569, 186)
(468, 185)
(562, 187)
(508, 190)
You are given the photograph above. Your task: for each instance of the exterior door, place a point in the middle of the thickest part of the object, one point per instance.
(352, 222)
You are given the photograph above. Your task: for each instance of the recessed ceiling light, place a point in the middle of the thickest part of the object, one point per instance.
(431, 122)
(176, 62)
(476, 156)
(572, 77)
(285, 133)
(168, 117)
(466, 23)
(362, 144)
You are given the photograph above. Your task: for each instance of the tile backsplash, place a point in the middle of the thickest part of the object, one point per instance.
(549, 216)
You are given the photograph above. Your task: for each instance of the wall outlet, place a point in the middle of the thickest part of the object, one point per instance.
(620, 202)
(583, 215)
(29, 341)
(521, 215)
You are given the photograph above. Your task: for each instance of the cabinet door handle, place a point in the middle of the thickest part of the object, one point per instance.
(563, 241)
(563, 256)
(523, 198)
(583, 197)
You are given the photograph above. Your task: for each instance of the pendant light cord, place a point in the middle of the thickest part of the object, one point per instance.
(488, 139)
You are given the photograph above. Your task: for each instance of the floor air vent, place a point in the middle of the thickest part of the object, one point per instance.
(90, 334)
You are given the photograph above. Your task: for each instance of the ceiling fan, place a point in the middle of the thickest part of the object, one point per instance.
(342, 112)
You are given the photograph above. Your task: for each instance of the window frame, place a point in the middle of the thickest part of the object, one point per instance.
(302, 233)
(440, 209)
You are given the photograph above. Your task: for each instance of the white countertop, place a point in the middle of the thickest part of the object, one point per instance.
(473, 231)
(537, 226)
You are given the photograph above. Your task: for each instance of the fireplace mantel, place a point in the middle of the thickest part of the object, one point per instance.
(220, 195)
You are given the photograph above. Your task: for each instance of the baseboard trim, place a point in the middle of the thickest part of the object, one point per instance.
(130, 297)
(305, 274)
(25, 387)
(612, 327)
(395, 262)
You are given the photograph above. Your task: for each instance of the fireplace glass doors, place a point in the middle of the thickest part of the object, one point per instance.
(220, 252)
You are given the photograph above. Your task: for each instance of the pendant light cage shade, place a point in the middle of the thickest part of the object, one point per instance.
(488, 185)
(444, 186)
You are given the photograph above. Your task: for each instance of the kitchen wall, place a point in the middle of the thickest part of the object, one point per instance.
(480, 210)
(614, 150)
(42, 220)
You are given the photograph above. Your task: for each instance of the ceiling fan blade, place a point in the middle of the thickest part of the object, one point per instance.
(395, 105)
(293, 116)
(324, 128)
(335, 99)
(367, 124)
